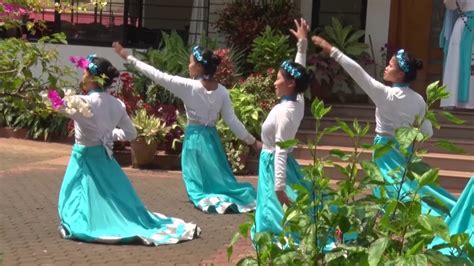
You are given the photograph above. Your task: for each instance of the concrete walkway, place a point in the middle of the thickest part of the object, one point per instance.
(30, 177)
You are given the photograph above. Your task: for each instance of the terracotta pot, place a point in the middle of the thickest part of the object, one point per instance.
(143, 154)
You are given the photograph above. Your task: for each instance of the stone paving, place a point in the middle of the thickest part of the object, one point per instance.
(30, 178)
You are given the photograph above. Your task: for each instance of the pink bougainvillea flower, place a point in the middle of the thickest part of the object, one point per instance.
(13, 10)
(55, 99)
(83, 63)
(8, 8)
(22, 11)
(73, 59)
(79, 61)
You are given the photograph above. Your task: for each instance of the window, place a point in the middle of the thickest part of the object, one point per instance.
(348, 12)
(137, 23)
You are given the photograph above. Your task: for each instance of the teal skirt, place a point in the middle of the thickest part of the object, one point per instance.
(269, 213)
(97, 203)
(460, 220)
(208, 178)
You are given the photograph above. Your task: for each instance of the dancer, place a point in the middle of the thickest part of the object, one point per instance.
(97, 202)
(278, 170)
(399, 106)
(209, 180)
(450, 17)
(459, 64)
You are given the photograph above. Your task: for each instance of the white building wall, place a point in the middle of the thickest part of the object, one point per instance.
(377, 25)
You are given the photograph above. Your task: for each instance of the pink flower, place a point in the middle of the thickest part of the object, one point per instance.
(79, 61)
(73, 59)
(8, 8)
(22, 11)
(83, 63)
(55, 99)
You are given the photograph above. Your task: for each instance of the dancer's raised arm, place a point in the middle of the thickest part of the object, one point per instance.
(301, 34)
(181, 87)
(377, 91)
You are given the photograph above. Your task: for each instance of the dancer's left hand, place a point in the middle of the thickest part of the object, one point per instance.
(120, 50)
(302, 29)
(257, 146)
(283, 198)
(320, 42)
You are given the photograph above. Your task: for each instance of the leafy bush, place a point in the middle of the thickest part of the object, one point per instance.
(149, 127)
(246, 108)
(21, 104)
(363, 229)
(261, 86)
(242, 20)
(346, 39)
(230, 69)
(172, 57)
(269, 49)
(252, 99)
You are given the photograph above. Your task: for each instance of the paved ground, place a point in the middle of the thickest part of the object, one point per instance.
(30, 177)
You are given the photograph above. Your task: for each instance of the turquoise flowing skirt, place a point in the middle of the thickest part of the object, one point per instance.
(208, 178)
(97, 203)
(460, 220)
(269, 213)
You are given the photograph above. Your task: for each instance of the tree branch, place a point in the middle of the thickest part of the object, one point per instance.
(15, 94)
(8, 71)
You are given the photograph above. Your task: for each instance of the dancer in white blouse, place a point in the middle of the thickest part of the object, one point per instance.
(97, 202)
(209, 181)
(398, 106)
(278, 170)
(459, 61)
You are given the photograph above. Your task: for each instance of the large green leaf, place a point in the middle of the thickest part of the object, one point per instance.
(447, 145)
(452, 118)
(287, 144)
(343, 125)
(406, 136)
(428, 178)
(377, 249)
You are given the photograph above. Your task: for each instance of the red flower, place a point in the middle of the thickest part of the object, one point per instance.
(339, 235)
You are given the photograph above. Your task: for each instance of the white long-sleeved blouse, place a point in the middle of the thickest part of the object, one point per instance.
(282, 123)
(101, 129)
(395, 106)
(202, 106)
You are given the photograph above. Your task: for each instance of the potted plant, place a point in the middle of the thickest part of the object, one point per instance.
(150, 130)
(248, 109)
(178, 136)
(329, 74)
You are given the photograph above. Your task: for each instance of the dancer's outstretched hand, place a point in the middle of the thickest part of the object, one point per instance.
(302, 29)
(318, 41)
(120, 50)
(283, 198)
(257, 146)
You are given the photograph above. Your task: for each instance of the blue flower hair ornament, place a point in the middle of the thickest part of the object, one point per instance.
(293, 71)
(91, 66)
(198, 55)
(402, 60)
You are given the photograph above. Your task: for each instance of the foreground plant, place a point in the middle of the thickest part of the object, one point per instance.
(344, 224)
